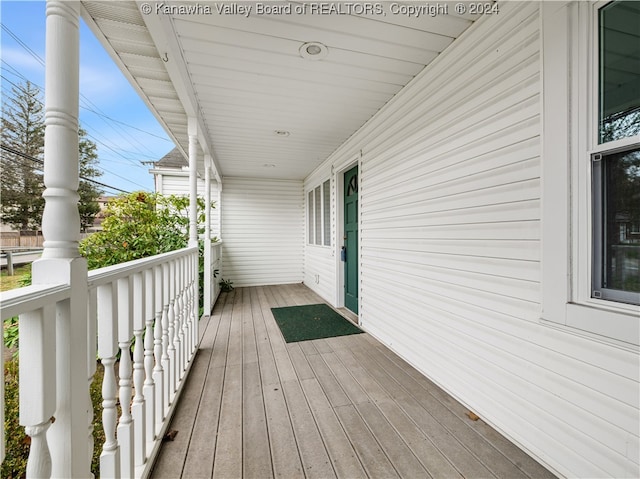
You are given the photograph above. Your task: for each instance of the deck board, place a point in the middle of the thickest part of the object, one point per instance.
(347, 407)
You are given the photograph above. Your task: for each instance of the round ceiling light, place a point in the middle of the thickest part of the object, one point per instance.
(313, 51)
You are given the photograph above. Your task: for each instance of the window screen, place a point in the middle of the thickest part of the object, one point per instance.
(616, 226)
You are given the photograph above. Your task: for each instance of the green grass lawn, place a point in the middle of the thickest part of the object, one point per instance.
(10, 282)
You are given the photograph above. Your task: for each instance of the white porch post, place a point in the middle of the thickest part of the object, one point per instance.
(193, 212)
(193, 182)
(61, 261)
(208, 273)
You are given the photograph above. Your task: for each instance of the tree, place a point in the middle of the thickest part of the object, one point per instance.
(23, 136)
(138, 225)
(21, 176)
(143, 224)
(87, 190)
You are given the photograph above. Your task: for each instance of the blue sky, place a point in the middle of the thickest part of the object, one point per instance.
(134, 136)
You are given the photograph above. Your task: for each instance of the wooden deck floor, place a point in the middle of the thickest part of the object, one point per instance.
(256, 407)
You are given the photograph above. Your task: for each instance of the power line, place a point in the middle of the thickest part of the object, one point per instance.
(102, 167)
(129, 160)
(95, 110)
(23, 45)
(119, 153)
(100, 113)
(41, 162)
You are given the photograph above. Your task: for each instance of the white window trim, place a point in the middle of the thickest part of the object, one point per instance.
(567, 137)
(311, 241)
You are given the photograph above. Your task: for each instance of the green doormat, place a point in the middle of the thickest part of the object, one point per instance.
(312, 321)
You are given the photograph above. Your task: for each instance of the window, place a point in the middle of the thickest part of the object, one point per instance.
(616, 157)
(319, 215)
(589, 189)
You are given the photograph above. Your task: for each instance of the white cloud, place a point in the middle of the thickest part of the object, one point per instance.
(24, 63)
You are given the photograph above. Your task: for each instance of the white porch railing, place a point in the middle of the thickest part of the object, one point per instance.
(148, 305)
(37, 307)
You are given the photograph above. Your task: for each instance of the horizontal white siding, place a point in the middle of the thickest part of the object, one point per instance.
(262, 231)
(450, 254)
(177, 183)
(320, 261)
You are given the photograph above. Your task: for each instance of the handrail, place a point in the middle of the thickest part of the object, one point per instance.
(108, 274)
(29, 298)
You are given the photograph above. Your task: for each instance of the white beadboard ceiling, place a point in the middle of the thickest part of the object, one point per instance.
(243, 77)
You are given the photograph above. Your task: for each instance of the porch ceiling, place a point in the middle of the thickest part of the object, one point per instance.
(245, 79)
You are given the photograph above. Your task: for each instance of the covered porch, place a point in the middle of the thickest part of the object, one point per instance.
(393, 157)
(347, 407)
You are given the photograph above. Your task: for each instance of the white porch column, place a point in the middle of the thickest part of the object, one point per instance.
(208, 273)
(193, 218)
(61, 261)
(193, 181)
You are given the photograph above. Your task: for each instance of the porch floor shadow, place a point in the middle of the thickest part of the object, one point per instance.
(347, 407)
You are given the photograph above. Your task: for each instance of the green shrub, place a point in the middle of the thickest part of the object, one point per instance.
(98, 433)
(139, 225)
(17, 442)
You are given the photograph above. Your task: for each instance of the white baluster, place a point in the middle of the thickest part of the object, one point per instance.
(186, 308)
(38, 384)
(107, 350)
(139, 405)
(166, 365)
(180, 291)
(192, 324)
(158, 370)
(110, 457)
(92, 351)
(188, 272)
(195, 310)
(187, 326)
(172, 330)
(125, 333)
(189, 281)
(149, 383)
(39, 463)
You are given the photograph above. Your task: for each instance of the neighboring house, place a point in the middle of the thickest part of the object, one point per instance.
(166, 172)
(171, 177)
(446, 178)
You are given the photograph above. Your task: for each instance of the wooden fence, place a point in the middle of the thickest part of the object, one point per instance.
(32, 239)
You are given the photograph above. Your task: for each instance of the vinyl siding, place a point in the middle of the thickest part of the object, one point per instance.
(450, 195)
(263, 231)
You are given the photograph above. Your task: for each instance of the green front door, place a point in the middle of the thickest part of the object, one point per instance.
(351, 239)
